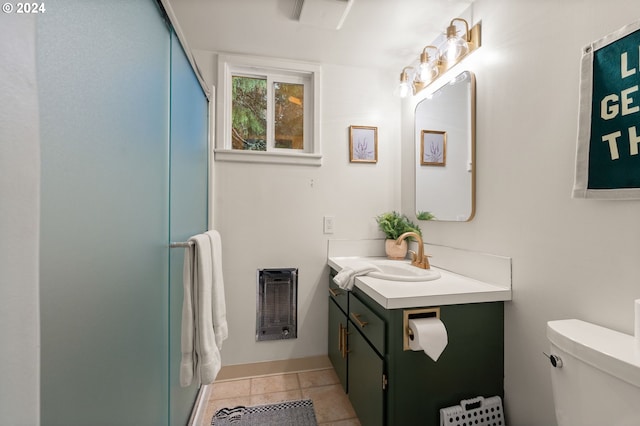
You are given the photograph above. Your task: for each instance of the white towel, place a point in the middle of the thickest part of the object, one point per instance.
(200, 351)
(217, 291)
(346, 278)
(187, 331)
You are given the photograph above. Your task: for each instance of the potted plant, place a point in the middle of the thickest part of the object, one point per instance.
(394, 224)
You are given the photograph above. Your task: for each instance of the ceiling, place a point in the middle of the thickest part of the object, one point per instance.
(376, 33)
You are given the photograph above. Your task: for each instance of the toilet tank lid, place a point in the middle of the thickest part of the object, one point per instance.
(610, 351)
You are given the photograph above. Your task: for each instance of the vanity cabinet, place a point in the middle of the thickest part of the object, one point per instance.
(388, 385)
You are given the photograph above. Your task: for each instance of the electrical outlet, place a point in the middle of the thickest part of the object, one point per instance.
(328, 224)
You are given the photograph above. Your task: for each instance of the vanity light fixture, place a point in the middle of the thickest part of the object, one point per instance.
(457, 45)
(406, 87)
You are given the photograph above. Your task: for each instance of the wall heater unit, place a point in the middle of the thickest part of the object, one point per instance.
(277, 304)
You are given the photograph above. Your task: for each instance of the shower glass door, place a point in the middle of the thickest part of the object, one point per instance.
(188, 205)
(103, 76)
(124, 172)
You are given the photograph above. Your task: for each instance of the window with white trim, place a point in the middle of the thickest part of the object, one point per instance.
(268, 110)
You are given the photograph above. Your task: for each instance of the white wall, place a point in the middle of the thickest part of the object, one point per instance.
(19, 223)
(571, 258)
(272, 215)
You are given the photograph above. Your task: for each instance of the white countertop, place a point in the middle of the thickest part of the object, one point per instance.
(449, 289)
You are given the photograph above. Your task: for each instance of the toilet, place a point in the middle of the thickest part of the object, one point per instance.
(595, 374)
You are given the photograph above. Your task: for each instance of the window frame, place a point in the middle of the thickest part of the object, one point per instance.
(282, 71)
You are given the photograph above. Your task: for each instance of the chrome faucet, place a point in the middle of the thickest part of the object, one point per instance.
(419, 259)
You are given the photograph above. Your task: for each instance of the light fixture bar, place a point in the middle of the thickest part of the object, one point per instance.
(473, 39)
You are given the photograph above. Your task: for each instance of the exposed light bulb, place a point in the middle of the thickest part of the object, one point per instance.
(427, 72)
(455, 49)
(428, 68)
(406, 87)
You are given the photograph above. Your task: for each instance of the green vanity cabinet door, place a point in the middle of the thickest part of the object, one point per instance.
(338, 341)
(366, 369)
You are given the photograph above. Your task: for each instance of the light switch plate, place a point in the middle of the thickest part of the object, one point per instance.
(328, 224)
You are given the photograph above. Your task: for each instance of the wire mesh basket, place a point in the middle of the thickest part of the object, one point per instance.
(474, 412)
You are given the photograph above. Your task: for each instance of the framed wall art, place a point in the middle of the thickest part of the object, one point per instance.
(433, 148)
(363, 144)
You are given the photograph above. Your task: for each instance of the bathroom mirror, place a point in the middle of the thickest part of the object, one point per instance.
(445, 151)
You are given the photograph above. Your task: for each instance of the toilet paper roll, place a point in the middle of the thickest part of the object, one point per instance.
(429, 335)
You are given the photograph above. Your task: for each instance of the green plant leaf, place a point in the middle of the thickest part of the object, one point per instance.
(394, 224)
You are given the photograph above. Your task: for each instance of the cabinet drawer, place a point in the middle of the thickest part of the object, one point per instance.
(340, 296)
(368, 323)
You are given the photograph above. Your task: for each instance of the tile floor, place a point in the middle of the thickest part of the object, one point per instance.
(331, 404)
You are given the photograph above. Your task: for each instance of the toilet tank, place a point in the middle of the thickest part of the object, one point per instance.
(599, 380)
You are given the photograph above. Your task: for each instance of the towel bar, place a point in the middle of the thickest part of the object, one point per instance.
(181, 244)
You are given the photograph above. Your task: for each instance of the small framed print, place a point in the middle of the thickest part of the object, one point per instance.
(433, 148)
(363, 144)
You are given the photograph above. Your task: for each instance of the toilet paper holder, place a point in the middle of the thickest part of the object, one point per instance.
(408, 314)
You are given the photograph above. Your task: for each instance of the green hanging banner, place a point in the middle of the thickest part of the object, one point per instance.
(608, 152)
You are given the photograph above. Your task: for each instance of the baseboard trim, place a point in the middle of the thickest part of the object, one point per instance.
(239, 371)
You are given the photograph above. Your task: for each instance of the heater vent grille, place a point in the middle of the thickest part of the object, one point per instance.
(277, 304)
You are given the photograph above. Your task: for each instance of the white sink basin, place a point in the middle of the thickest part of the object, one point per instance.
(400, 270)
